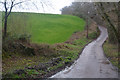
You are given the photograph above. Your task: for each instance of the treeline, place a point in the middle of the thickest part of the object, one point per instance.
(103, 13)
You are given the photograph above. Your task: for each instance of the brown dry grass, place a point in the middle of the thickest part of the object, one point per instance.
(77, 35)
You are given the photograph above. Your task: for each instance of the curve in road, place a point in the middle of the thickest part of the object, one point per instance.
(92, 63)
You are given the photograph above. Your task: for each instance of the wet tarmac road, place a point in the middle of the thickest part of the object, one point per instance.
(92, 63)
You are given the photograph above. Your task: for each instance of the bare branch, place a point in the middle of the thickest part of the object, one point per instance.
(2, 2)
(19, 2)
(10, 8)
(50, 6)
(5, 6)
(42, 6)
(35, 5)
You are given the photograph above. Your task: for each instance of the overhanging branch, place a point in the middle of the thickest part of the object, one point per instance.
(2, 2)
(19, 3)
(10, 8)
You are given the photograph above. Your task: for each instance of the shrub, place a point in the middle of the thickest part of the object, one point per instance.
(93, 35)
(12, 44)
(24, 37)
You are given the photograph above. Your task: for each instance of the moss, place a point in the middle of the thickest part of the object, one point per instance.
(55, 67)
(31, 71)
(42, 72)
(16, 76)
(10, 75)
(22, 75)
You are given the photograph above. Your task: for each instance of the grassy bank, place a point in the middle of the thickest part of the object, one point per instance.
(43, 65)
(66, 32)
(46, 63)
(45, 28)
(111, 51)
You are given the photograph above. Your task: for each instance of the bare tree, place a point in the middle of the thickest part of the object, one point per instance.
(104, 12)
(112, 22)
(8, 9)
(10, 4)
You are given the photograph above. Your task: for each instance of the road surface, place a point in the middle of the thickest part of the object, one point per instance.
(92, 63)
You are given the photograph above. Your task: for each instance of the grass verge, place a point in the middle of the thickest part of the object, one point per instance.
(43, 66)
(111, 51)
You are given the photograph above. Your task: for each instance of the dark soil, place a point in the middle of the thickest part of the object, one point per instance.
(44, 66)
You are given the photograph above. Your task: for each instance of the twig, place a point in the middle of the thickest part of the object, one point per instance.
(2, 2)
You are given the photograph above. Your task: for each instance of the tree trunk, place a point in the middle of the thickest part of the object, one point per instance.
(87, 30)
(119, 27)
(111, 25)
(5, 26)
(112, 37)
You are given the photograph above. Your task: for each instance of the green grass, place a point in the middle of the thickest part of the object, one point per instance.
(111, 51)
(45, 28)
(68, 53)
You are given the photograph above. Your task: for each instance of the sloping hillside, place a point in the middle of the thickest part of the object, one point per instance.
(45, 28)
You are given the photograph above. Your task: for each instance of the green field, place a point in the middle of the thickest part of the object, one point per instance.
(45, 28)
